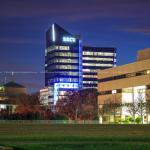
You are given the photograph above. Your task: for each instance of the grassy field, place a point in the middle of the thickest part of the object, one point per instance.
(33, 136)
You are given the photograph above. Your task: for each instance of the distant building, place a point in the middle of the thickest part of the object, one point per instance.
(44, 96)
(8, 93)
(125, 84)
(69, 66)
(62, 62)
(94, 59)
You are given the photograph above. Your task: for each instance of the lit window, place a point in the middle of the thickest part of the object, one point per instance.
(51, 48)
(89, 76)
(114, 91)
(148, 71)
(64, 48)
(90, 82)
(98, 53)
(93, 64)
(66, 67)
(89, 70)
(108, 54)
(94, 58)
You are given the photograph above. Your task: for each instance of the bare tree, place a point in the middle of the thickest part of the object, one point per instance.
(101, 112)
(141, 104)
(112, 107)
(132, 109)
(138, 106)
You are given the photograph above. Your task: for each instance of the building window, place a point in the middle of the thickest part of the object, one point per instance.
(98, 59)
(89, 76)
(97, 53)
(89, 82)
(145, 72)
(89, 70)
(148, 71)
(63, 47)
(148, 87)
(93, 64)
(114, 91)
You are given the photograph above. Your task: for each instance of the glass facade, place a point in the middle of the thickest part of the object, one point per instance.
(71, 66)
(62, 62)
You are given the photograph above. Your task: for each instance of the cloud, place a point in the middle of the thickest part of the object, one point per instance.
(74, 10)
(144, 30)
(18, 40)
(139, 30)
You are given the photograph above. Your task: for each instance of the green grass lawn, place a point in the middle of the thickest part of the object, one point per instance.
(74, 137)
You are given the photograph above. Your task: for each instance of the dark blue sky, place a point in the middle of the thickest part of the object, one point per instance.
(123, 24)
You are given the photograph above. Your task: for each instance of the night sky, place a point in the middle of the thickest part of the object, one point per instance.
(124, 24)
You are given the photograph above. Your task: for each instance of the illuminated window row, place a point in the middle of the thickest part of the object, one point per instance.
(110, 92)
(101, 59)
(66, 67)
(52, 48)
(68, 73)
(89, 70)
(89, 82)
(94, 64)
(98, 53)
(128, 75)
(65, 54)
(125, 90)
(89, 76)
(63, 47)
(63, 61)
(73, 73)
(64, 80)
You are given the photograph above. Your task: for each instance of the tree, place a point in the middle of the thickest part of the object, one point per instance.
(29, 106)
(112, 107)
(132, 109)
(79, 105)
(138, 106)
(101, 111)
(141, 104)
(148, 104)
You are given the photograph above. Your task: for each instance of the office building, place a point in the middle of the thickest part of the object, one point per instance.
(44, 96)
(70, 66)
(63, 62)
(125, 84)
(94, 59)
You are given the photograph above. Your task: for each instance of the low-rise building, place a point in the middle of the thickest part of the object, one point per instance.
(44, 96)
(8, 93)
(123, 85)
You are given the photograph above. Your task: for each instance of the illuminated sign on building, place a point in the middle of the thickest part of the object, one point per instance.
(69, 39)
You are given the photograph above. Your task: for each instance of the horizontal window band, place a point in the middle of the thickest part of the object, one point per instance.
(123, 76)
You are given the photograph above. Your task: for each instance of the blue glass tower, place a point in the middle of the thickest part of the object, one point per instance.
(63, 62)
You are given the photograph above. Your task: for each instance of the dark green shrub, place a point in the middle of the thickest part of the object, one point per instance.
(138, 120)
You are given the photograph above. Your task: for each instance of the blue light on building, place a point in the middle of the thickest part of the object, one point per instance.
(71, 66)
(62, 62)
